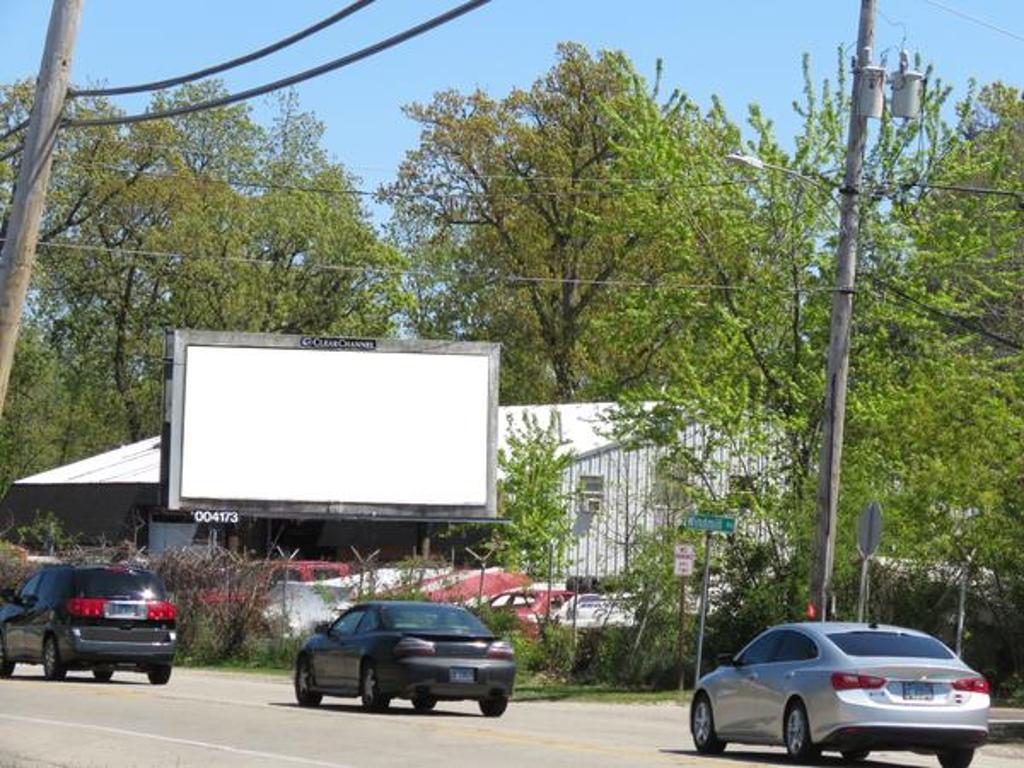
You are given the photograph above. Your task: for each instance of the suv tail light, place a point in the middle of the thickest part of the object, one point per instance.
(972, 685)
(85, 607)
(161, 610)
(414, 646)
(849, 681)
(500, 650)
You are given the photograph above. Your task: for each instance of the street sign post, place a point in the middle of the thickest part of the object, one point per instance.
(709, 524)
(869, 534)
(684, 556)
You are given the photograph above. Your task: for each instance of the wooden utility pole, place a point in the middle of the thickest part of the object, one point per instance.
(839, 341)
(19, 249)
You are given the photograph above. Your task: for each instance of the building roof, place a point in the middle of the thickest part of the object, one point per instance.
(581, 427)
(135, 463)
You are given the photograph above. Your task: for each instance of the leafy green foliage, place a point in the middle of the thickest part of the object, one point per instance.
(207, 221)
(511, 209)
(533, 499)
(44, 534)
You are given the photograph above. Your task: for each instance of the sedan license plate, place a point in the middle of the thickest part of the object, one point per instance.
(462, 675)
(918, 691)
(124, 610)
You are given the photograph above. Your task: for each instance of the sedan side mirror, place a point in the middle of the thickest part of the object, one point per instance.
(27, 601)
(322, 627)
(727, 660)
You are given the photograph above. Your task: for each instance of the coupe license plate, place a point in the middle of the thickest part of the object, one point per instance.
(124, 611)
(462, 675)
(918, 691)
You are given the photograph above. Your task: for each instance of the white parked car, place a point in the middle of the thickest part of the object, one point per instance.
(594, 611)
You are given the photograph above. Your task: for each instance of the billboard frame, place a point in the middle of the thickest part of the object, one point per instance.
(176, 343)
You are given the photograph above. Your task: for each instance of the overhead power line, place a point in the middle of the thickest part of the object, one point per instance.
(965, 323)
(231, 64)
(286, 82)
(666, 286)
(974, 19)
(606, 187)
(965, 189)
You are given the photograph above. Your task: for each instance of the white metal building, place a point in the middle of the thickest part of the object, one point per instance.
(619, 492)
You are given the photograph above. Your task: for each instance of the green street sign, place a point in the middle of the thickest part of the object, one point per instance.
(713, 523)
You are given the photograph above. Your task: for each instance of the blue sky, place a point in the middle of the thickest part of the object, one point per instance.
(742, 50)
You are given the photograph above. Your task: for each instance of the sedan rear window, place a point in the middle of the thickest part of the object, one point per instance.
(432, 618)
(896, 644)
(119, 583)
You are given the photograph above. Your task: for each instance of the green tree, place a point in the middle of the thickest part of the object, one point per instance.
(210, 220)
(510, 211)
(534, 500)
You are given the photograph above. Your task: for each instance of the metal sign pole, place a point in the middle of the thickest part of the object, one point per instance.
(862, 595)
(681, 649)
(703, 606)
(869, 534)
(551, 576)
(961, 613)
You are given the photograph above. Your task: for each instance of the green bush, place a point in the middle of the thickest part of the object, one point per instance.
(502, 623)
(220, 599)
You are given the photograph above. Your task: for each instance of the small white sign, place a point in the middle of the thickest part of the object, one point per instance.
(685, 556)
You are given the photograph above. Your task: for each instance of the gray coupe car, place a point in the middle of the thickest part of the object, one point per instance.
(849, 688)
(426, 652)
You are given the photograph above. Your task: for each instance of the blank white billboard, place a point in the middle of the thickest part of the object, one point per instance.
(386, 426)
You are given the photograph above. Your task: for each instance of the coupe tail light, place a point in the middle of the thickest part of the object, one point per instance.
(161, 610)
(85, 607)
(973, 685)
(414, 646)
(500, 650)
(849, 681)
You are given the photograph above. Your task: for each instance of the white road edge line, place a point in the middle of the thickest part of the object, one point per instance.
(174, 740)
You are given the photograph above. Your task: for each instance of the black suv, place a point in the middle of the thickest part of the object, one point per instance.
(89, 617)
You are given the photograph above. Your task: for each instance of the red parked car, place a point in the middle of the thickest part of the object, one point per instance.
(307, 570)
(531, 604)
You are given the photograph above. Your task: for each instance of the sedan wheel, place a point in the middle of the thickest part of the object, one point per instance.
(52, 668)
(702, 726)
(424, 703)
(304, 693)
(494, 706)
(369, 690)
(956, 758)
(798, 734)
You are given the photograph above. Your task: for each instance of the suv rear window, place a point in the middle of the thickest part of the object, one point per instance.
(119, 583)
(895, 644)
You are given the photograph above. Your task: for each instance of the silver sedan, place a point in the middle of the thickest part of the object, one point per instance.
(849, 688)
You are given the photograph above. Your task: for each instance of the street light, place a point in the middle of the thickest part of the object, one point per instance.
(755, 162)
(751, 161)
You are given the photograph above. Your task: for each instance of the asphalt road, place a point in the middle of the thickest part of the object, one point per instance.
(220, 719)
